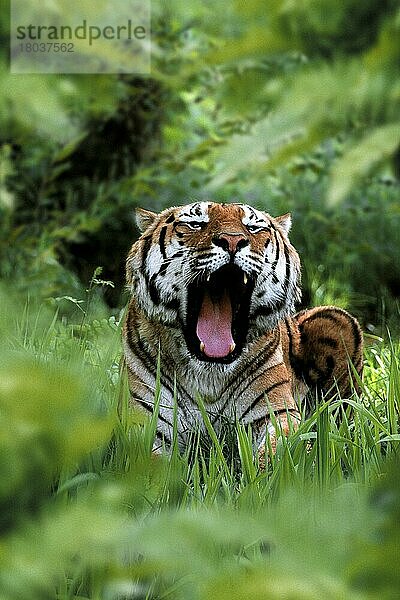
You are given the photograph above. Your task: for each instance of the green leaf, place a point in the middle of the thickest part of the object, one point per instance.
(69, 148)
(376, 146)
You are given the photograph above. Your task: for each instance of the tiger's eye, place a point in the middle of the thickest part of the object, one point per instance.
(193, 226)
(256, 228)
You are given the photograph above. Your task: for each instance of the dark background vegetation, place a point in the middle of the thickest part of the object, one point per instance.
(272, 117)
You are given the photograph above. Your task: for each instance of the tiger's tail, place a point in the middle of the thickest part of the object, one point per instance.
(330, 350)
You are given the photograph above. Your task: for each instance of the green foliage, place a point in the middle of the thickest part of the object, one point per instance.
(65, 202)
(69, 148)
(87, 512)
(309, 71)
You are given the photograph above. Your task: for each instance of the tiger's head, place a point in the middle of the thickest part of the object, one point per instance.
(222, 274)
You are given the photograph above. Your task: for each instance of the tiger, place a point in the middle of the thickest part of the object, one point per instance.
(212, 315)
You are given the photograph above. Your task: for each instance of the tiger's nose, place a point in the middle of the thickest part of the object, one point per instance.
(231, 241)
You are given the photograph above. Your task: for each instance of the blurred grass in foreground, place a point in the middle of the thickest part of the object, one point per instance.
(88, 513)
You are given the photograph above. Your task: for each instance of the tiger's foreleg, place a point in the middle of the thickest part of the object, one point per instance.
(283, 424)
(281, 414)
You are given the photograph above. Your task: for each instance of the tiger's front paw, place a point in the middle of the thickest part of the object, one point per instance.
(284, 428)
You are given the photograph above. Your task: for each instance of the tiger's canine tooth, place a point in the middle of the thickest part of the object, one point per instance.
(208, 277)
(232, 347)
(245, 279)
(202, 346)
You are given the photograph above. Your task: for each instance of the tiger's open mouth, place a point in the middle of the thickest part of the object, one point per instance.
(218, 315)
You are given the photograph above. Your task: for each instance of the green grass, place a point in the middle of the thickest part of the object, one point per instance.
(89, 513)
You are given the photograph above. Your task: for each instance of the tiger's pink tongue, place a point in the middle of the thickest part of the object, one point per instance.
(214, 326)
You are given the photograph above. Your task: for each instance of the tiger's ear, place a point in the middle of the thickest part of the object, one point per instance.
(144, 218)
(285, 221)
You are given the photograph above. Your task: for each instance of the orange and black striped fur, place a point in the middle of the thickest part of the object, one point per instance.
(214, 288)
